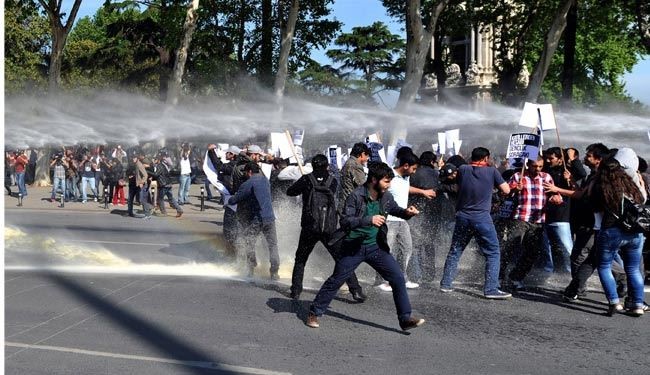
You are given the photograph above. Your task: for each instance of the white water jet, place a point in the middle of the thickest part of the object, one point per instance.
(131, 119)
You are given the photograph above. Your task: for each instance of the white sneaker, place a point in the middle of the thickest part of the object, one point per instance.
(385, 287)
(412, 285)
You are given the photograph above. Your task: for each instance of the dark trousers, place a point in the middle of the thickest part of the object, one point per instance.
(529, 238)
(584, 261)
(112, 185)
(166, 191)
(381, 261)
(509, 250)
(306, 243)
(134, 191)
(230, 230)
(248, 239)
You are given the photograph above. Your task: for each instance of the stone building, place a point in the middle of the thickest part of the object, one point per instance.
(470, 68)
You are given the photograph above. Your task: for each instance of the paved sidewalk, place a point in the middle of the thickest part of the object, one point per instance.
(38, 198)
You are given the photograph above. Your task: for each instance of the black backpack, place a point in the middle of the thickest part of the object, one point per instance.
(321, 207)
(634, 218)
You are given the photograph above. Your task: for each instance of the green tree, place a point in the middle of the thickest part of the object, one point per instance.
(373, 51)
(27, 38)
(60, 30)
(606, 48)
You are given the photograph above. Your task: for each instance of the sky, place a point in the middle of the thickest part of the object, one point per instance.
(364, 12)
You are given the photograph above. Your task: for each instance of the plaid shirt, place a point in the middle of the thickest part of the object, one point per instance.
(532, 198)
(59, 171)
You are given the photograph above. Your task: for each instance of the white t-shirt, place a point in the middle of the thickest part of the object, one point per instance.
(399, 187)
(185, 166)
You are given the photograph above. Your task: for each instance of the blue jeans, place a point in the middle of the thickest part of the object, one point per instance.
(145, 200)
(486, 237)
(559, 237)
(20, 178)
(71, 188)
(59, 183)
(166, 191)
(381, 261)
(629, 245)
(88, 181)
(208, 192)
(184, 188)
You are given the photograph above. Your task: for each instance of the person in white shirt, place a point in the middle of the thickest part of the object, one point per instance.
(399, 233)
(185, 178)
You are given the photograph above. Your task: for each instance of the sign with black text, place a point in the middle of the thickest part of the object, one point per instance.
(522, 146)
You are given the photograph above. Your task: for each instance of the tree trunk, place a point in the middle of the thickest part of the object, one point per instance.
(568, 67)
(417, 48)
(174, 88)
(59, 36)
(285, 49)
(642, 11)
(265, 69)
(550, 45)
(42, 173)
(165, 71)
(241, 34)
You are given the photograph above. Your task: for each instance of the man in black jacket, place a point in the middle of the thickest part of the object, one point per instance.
(161, 174)
(363, 228)
(309, 237)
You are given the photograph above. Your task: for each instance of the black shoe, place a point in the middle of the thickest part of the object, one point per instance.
(569, 298)
(358, 295)
(411, 323)
(614, 309)
(294, 296)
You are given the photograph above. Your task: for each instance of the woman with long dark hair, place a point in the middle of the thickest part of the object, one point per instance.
(612, 185)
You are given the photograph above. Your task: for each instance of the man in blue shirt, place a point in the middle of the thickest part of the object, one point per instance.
(475, 183)
(255, 213)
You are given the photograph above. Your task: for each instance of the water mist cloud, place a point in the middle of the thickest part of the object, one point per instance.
(131, 119)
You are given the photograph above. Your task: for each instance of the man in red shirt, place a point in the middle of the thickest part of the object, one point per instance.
(529, 217)
(21, 164)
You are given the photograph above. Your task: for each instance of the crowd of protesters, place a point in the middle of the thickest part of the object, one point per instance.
(548, 210)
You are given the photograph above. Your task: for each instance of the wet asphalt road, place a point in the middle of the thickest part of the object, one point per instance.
(62, 322)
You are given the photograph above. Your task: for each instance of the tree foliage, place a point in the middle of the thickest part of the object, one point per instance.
(27, 38)
(373, 51)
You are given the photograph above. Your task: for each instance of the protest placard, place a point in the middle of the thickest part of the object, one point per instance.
(522, 146)
(544, 119)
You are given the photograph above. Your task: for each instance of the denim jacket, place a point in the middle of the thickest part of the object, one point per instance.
(353, 216)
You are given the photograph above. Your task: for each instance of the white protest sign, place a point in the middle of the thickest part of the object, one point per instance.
(435, 148)
(281, 146)
(298, 137)
(334, 155)
(373, 138)
(452, 136)
(457, 145)
(266, 169)
(531, 118)
(442, 137)
(522, 146)
(390, 155)
(649, 135)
